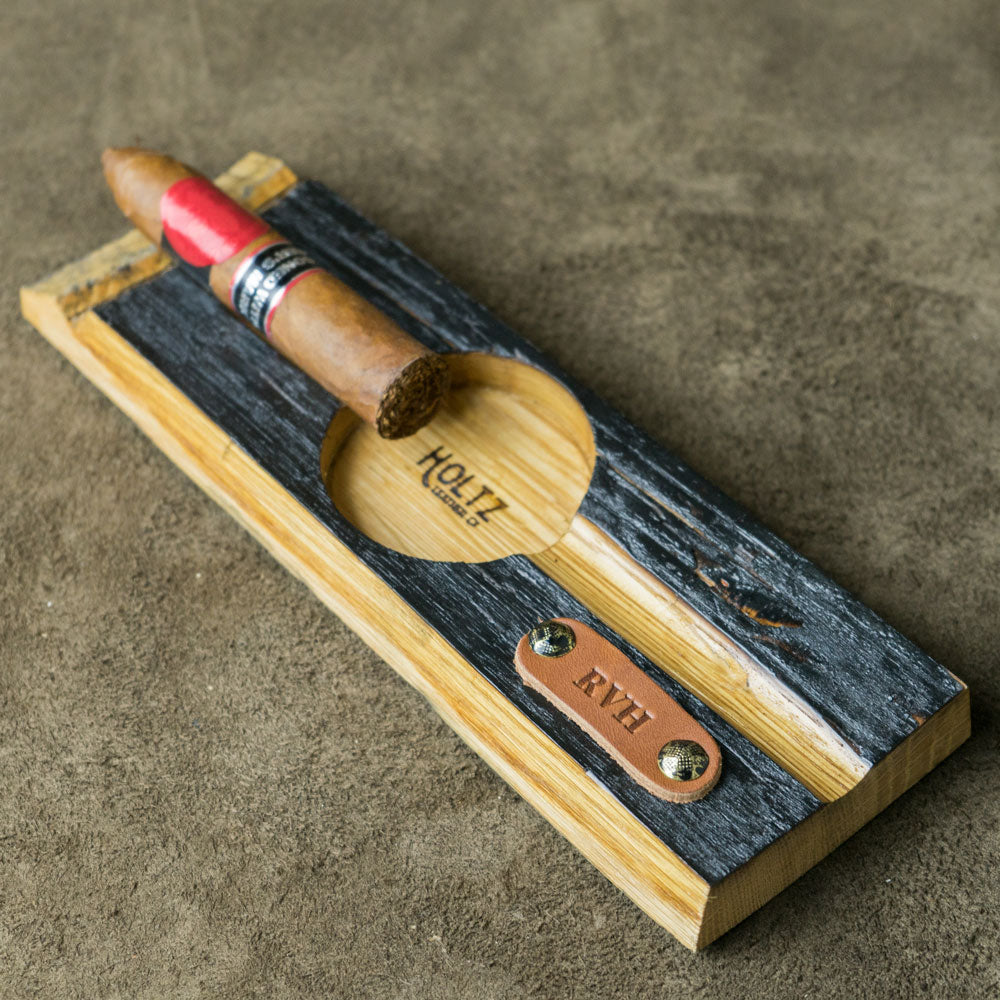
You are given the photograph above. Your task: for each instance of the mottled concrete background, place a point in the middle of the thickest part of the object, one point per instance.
(768, 231)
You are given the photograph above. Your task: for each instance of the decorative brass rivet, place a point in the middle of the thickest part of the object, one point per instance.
(551, 639)
(683, 760)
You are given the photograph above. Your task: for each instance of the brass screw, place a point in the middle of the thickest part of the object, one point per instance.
(551, 639)
(683, 760)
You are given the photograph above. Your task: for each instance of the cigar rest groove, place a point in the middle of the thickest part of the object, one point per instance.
(823, 713)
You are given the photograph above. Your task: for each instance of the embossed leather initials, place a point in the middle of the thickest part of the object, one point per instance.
(597, 686)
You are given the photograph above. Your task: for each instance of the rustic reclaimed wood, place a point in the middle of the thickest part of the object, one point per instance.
(822, 712)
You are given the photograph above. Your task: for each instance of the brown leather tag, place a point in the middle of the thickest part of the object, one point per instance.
(623, 709)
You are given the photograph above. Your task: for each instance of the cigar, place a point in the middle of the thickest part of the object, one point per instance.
(314, 319)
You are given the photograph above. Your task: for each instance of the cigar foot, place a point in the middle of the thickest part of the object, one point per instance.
(412, 397)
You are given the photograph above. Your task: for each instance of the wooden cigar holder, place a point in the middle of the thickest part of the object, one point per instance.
(526, 499)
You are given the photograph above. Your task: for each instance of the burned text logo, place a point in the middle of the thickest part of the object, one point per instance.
(459, 489)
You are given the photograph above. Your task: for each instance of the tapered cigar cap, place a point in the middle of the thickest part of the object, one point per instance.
(114, 156)
(137, 178)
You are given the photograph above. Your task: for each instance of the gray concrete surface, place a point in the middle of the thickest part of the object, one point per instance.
(767, 231)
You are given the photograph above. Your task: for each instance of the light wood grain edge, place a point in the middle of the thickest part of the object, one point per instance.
(587, 815)
(782, 862)
(643, 610)
(254, 181)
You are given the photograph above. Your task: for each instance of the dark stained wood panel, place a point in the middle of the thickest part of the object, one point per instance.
(864, 678)
(860, 675)
(279, 416)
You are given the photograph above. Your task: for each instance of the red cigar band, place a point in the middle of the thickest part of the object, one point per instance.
(203, 225)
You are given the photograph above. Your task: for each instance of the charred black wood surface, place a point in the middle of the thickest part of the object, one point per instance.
(859, 674)
(865, 679)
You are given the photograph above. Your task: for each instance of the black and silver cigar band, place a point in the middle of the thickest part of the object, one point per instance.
(260, 282)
